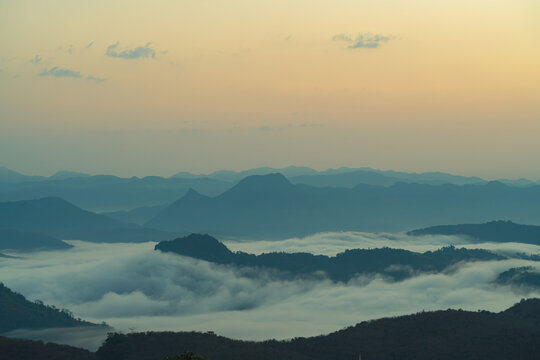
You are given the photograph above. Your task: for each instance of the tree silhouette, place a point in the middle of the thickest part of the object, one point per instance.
(185, 356)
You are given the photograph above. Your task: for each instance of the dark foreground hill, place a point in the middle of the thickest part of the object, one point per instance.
(443, 335)
(270, 206)
(59, 218)
(493, 231)
(23, 241)
(450, 334)
(16, 312)
(396, 264)
(19, 349)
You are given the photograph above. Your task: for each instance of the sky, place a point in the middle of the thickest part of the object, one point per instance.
(133, 87)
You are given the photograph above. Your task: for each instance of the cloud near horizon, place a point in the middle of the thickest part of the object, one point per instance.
(161, 291)
(139, 52)
(363, 40)
(36, 59)
(94, 78)
(55, 71)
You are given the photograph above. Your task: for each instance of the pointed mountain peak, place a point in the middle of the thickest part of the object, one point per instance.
(193, 194)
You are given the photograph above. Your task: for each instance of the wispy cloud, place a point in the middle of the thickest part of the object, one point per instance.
(69, 50)
(55, 71)
(287, 38)
(59, 72)
(139, 52)
(36, 59)
(363, 40)
(97, 79)
(89, 45)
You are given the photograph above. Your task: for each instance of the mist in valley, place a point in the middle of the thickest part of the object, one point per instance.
(134, 288)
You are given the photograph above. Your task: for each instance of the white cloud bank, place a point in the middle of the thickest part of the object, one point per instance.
(133, 287)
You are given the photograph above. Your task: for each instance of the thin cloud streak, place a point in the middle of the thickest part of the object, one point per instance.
(55, 71)
(363, 40)
(36, 59)
(139, 52)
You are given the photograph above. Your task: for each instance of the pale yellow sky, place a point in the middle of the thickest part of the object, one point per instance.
(413, 85)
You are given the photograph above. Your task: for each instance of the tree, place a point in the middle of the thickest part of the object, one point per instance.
(185, 356)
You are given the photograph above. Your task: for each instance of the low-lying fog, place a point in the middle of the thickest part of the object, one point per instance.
(134, 288)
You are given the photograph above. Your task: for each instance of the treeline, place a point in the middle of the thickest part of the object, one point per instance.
(443, 335)
(493, 231)
(16, 312)
(19, 349)
(450, 334)
(396, 264)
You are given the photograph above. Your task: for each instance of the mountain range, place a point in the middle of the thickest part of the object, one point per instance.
(271, 206)
(115, 194)
(108, 193)
(58, 218)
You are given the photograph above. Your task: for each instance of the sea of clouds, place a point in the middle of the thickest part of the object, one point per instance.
(134, 288)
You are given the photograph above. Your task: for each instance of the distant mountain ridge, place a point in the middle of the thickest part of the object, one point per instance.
(59, 218)
(108, 193)
(332, 177)
(23, 241)
(271, 206)
(493, 231)
(10, 176)
(396, 264)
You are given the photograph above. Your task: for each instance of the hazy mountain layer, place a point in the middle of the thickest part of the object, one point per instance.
(343, 176)
(109, 193)
(16, 240)
(112, 193)
(494, 231)
(271, 206)
(59, 218)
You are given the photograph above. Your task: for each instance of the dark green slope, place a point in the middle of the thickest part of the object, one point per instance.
(493, 231)
(395, 264)
(22, 241)
(442, 335)
(18, 313)
(19, 349)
